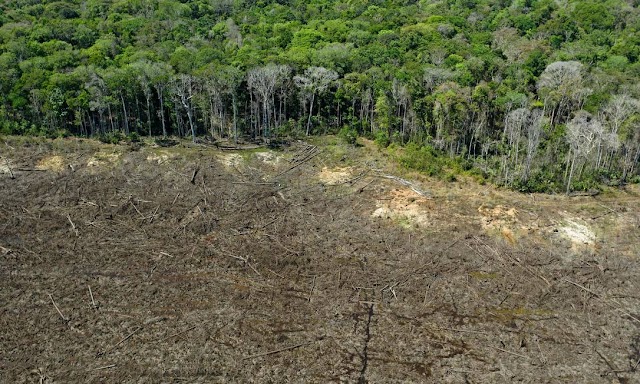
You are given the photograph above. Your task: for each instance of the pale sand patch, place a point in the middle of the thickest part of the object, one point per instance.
(577, 233)
(102, 159)
(333, 176)
(499, 218)
(406, 206)
(269, 158)
(159, 158)
(231, 160)
(51, 163)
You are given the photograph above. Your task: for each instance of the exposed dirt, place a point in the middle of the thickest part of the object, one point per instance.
(310, 264)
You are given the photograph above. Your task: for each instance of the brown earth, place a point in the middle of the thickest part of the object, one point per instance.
(310, 264)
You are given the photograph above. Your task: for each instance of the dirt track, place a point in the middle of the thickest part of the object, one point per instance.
(309, 264)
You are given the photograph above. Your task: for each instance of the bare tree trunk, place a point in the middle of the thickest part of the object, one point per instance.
(573, 162)
(234, 103)
(126, 118)
(161, 99)
(310, 113)
(113, 128)
(148, 97)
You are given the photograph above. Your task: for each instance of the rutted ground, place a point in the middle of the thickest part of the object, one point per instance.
(312, 263)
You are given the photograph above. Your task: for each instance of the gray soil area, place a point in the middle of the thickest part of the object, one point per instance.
(317, 262)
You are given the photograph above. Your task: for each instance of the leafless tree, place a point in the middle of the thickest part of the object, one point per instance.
(562, 89)
(262, 83)
(143, 73)
(233, 34)
(514, 125)
(160, 75)
(523, 129)
(433, 77)
(583, 134)
(402, 99)
(184, 88)
(534, 132)
(314, 82)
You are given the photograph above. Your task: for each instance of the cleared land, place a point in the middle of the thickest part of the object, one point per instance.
(314, 263)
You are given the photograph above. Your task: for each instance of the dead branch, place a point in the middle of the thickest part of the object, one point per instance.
(461, 330)
(310, 154)
(618, 306)
(73, 226)
(93, 302)
(402, 278)
(105, 367)
(120, 342)
(193, 176)
(276, 351)
(136, 208)
(30, 170)
(254, 183)
(612, 368)
(58, 309)
(408, 184)
(511, 353)
(516, 261)
(176, 334)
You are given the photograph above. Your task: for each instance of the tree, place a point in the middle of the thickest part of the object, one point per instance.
(143, 73)
(404, 112)
(231, 77)
(184, 87)
(622, 120)
(583, 135)
(534, 133)
(160, 75)
(314, 82)
(562, 89)
(262, 83)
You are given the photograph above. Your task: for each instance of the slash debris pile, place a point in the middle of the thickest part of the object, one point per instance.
(181, 263)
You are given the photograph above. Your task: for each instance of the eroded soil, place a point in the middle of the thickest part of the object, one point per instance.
(310, 264)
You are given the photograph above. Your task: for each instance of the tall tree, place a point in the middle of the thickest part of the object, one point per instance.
(561, 87)
(184, 87)
(262, 82)
(314, 82)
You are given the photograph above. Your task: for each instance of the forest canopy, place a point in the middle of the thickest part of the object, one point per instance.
(537, 95)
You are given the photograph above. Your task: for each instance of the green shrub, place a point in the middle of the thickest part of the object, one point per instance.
(36, 131)
(349, 135)
(423, 159)
(450, 177)
(111, 137)
(133, 137)
(381, 138)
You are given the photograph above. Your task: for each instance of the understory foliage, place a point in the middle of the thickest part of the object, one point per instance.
(537, 95)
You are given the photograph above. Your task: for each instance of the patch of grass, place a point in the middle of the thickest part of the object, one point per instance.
(349, 135)
(404, 222)
(425, 159)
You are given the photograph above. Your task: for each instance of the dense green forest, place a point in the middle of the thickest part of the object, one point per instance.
(537, 95)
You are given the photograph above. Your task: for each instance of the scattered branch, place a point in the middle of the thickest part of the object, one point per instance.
(93, 302)
(276, 351)
(58, 309)
(120, 342)
(73, 226)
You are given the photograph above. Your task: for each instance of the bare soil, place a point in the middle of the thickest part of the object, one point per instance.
(309, 264)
